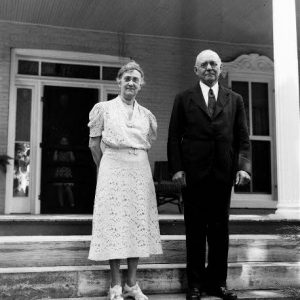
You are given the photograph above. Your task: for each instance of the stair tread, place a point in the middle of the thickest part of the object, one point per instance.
(165, 217)
(124, 266)
(72, 238)
(26, 225)
(242, 295)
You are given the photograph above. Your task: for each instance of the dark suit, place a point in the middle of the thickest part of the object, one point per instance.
(210, 150)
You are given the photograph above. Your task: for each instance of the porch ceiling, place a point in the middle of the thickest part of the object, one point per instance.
(233, 21)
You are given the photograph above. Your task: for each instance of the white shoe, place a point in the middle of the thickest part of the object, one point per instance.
(115, 293)
(134, 292)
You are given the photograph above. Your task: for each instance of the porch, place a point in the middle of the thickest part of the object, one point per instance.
(45, 256)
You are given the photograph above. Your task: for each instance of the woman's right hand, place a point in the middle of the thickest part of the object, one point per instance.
(94, 145)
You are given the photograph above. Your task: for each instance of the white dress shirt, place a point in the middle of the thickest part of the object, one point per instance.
(205, 90)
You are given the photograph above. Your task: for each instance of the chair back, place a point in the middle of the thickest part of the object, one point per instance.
(161, 171)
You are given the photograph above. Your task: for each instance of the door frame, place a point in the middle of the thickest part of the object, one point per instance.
(37, 83)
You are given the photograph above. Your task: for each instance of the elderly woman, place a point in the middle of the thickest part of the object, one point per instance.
(125, 220)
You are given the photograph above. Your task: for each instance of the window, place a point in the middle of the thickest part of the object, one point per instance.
(256, 100)
(110, 73)
(252, 77)
(67, 70)
(27, 67)
(70, 70)
(22, 143)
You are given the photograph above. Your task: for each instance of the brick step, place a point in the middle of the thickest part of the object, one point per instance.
(92, 281)
(242, 295)
(38, 251)
(169, 224)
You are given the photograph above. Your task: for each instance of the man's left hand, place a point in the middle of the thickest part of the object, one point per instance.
(242, 178)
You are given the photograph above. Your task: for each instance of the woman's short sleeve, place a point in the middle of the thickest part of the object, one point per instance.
(96, 123)
(152, 135)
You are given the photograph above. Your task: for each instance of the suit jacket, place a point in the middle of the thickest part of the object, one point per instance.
(201, 145)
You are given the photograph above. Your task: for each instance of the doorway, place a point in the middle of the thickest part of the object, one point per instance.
(68, 173)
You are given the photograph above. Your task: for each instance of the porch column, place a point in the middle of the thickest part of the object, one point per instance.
(287, 108)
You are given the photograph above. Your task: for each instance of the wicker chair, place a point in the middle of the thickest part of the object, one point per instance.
(166, 190)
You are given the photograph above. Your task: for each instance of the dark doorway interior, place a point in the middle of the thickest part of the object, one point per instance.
(68, 174)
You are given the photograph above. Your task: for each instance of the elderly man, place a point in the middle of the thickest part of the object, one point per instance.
(208, 152)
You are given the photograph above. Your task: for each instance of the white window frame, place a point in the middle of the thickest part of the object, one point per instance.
(37, 84)
(256, 68)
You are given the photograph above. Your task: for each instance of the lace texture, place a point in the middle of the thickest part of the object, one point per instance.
(109, 120)
(125, 220)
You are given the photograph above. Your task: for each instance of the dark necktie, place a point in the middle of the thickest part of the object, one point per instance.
(211, 105)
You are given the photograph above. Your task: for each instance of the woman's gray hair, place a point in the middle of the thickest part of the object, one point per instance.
(132, 65)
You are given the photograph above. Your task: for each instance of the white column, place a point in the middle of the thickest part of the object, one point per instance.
(287, 108)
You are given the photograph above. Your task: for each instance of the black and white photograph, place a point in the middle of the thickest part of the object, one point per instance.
(149, 149)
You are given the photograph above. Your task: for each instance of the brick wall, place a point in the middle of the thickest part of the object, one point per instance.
(167, 63)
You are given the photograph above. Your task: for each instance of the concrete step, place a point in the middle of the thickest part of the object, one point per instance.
(242, 295)
(169, 224)
(93, 281)
(39, 251)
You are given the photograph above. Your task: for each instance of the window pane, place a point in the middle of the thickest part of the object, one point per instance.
(261, 169)
(260, 108)
(71, 71)
(261, 166)
(21, 169)
(110, 73)
(28, 67)
(23, 114)
(242, 88)
(111, 96)
(22, 143)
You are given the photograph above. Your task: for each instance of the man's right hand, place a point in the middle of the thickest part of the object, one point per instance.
(179, 177)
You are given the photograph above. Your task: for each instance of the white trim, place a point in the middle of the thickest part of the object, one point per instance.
(36, 149)
(287, 107)
(67, 56)
(10, 138)
(250, 110)
(113, 89)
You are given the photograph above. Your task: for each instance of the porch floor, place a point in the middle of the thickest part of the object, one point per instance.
(242, 295)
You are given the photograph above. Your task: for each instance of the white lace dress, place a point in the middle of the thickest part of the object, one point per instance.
(125, 220)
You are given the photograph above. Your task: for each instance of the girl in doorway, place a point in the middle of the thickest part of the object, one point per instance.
(63, 173)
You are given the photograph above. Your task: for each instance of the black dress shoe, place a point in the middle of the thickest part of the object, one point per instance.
(222, 293)
(193, 294)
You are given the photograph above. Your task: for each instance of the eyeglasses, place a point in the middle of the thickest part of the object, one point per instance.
(205, 64)
(133, 78)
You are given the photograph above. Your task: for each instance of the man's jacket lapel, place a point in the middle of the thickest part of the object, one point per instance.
(223, 98)
(198, 99)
